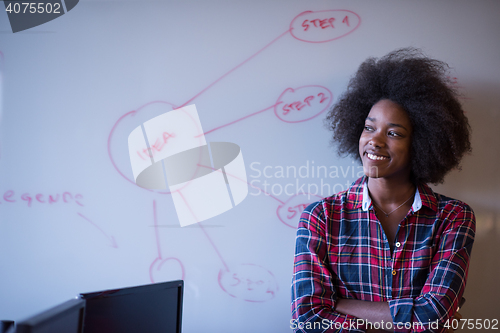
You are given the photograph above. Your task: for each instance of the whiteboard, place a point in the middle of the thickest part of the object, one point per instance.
(262, 76)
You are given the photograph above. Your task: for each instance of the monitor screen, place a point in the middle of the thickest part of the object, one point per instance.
(149, 308)
(64, 318)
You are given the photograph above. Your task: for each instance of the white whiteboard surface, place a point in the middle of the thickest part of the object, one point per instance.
(71, 219)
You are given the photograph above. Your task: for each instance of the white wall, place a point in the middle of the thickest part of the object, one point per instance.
(68, 89)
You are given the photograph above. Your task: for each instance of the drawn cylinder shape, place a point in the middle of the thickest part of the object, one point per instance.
(201, 191)
(205, 180)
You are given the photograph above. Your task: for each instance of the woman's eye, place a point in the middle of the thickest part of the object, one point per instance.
(393, 134)
(368, 128)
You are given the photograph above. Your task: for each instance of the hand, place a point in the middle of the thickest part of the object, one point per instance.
(457, 316)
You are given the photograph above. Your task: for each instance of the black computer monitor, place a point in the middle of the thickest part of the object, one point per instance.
(64, 318)
(150, 308)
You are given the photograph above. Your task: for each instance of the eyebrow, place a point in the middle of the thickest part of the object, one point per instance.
(390, 124)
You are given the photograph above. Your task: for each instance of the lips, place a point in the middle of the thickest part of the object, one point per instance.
(375, 157)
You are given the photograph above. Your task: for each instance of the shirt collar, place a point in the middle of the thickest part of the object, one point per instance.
(417, 201)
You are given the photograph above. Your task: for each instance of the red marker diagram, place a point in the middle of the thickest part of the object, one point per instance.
(164, 269)
(43, 199)
(208, 193)
(289, 211)
(295, 105)
(118, 154)
(303, 103)
(110, 238)
(250, 282)
(56, 200)
(324, 25)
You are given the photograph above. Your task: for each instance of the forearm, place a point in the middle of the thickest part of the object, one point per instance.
(373, 312)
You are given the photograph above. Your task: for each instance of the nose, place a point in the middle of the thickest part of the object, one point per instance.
(377, 140)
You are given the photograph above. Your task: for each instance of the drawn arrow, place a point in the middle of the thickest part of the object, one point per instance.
(110, 238)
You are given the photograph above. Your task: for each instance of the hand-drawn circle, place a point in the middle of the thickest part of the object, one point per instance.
(155, 269)
(250, 282)
(289, 212)
(322, 98)
(299, 33)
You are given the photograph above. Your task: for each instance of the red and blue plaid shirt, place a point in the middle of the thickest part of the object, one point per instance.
(342, 252)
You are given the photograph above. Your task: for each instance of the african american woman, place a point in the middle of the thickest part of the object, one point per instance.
(388, 253)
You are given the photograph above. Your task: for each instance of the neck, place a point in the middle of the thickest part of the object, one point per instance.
(387, 192)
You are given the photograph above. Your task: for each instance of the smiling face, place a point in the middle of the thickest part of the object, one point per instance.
(384, 145)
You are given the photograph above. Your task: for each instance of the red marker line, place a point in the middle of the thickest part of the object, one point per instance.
(110, 238)
(213, 245)
(235, 121)
(130, 113)
(232, 70)
(159, 261)
(206, 234)
(156, 230)
(256, 187)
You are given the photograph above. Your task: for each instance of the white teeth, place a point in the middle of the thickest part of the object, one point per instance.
(375, 157)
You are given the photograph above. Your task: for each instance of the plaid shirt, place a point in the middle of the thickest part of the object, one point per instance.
(342, 251)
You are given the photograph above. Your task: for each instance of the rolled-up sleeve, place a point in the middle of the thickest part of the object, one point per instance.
(444, 287)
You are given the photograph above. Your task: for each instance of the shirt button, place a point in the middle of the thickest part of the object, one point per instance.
(398, 244)
(393, 272)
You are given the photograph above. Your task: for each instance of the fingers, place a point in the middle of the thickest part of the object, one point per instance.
(456, 316)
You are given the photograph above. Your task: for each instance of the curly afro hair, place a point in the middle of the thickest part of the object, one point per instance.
(421, 87)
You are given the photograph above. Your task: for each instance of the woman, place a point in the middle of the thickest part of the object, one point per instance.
(388, 251)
